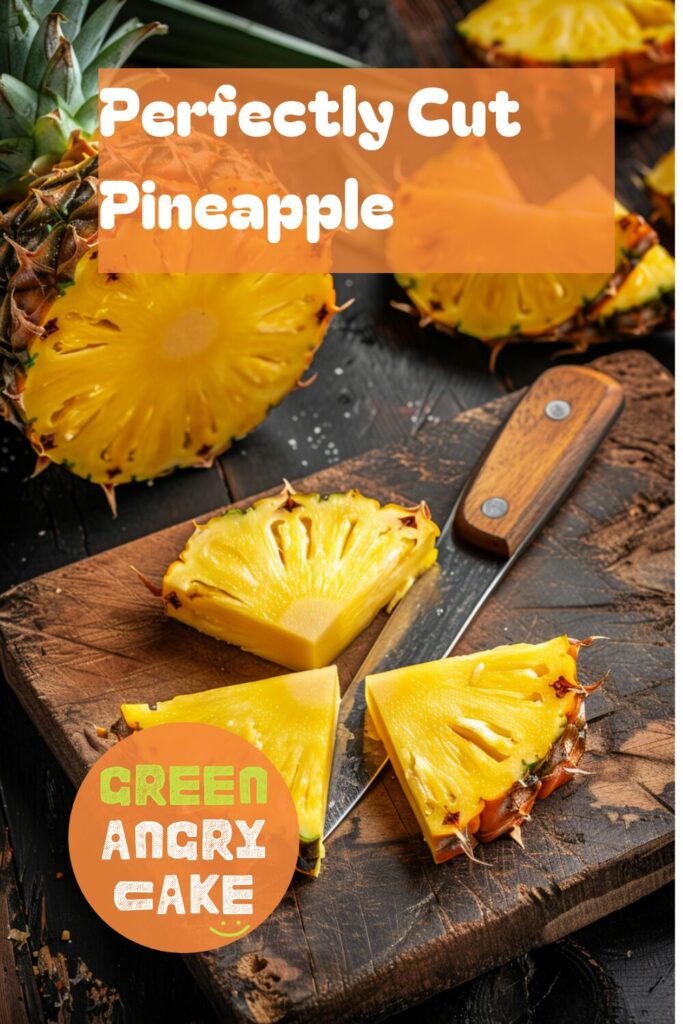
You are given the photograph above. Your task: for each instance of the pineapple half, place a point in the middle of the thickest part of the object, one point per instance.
(635, 37)
(661, 184)
(291, 719)
(475, 740)
(50, 54)
(127, 377)
(296, 577)
(579, 309)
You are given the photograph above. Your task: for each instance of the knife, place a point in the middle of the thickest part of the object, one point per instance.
(523, 476)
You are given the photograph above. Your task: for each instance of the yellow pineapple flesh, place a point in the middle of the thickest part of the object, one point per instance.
(569, 31)
(297, 577)
(138, 374)
(291, 719)
(635, 37)
(577, 308)
(470, 737)
(661, 183)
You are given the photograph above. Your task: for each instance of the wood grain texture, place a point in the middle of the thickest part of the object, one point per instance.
(537, 458)
(383, 927)
(18, 993)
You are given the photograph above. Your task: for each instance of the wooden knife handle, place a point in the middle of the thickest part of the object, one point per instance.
(537, 458)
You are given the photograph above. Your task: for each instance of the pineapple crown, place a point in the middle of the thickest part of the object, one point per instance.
(49, 59)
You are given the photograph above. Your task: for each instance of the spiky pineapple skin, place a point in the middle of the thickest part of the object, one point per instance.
(43, 238)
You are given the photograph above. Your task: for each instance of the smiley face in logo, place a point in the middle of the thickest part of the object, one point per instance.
(230, 935)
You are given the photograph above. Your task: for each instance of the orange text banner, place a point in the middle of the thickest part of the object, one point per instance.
(357, 171)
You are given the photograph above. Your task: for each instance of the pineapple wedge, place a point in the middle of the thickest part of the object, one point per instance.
(474, 740)
(297, 577)
(291, 719)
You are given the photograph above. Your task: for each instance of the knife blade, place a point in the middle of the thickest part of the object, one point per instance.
(522, 477)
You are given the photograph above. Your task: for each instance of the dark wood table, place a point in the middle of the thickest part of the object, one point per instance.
(380, 382)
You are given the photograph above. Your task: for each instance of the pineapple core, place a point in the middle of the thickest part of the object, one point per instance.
(291, 719)
(297, 577)
(463, 731)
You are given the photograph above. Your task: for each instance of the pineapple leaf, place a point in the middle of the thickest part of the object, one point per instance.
(209, 37)
(61, 81)
(73, 11)
(18, 26)
(86, 116)
(51, 134)
(18, 105)
(45, 43)
(94, 31)
(121, 30)
(15, 157)
(118, 52)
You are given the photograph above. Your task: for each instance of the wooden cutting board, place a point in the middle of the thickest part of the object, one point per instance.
(383, 927)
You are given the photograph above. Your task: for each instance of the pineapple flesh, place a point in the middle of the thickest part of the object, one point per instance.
(635, 37)
(126, 377)
(661, 184)
(474, 740)
(579, 309)
(296, 577)
(50, 54)
(291, 719)
(203, 357)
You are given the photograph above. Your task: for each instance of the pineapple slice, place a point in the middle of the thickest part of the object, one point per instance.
(635, 37)
(297, 577)
(661, 184)
(577, 308)
(291, 719)
(474, 740)
(138, 374)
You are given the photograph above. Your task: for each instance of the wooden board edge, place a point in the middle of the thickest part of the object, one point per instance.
(435, 963)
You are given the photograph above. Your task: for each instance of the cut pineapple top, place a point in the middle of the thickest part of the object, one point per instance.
(296, 577)
(569, 31)
(462, 731)
(662, 177)
(139, 374)
(291, 719)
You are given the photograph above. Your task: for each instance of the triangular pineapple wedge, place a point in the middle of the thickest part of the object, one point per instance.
(297, 577)
(474, 740)
(291, 719)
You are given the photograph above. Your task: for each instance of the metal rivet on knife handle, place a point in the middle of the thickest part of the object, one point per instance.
(494, 508)
(558, 409)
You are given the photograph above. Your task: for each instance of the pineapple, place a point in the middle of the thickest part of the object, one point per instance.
(49, 57)
(475, 740)
(122, 377)
(127, 377)
(579, 309)
(661, 184)
(635, 37)
(296, 577)
(291, 719)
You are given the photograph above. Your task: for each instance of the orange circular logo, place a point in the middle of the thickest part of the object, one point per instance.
(183, 837)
